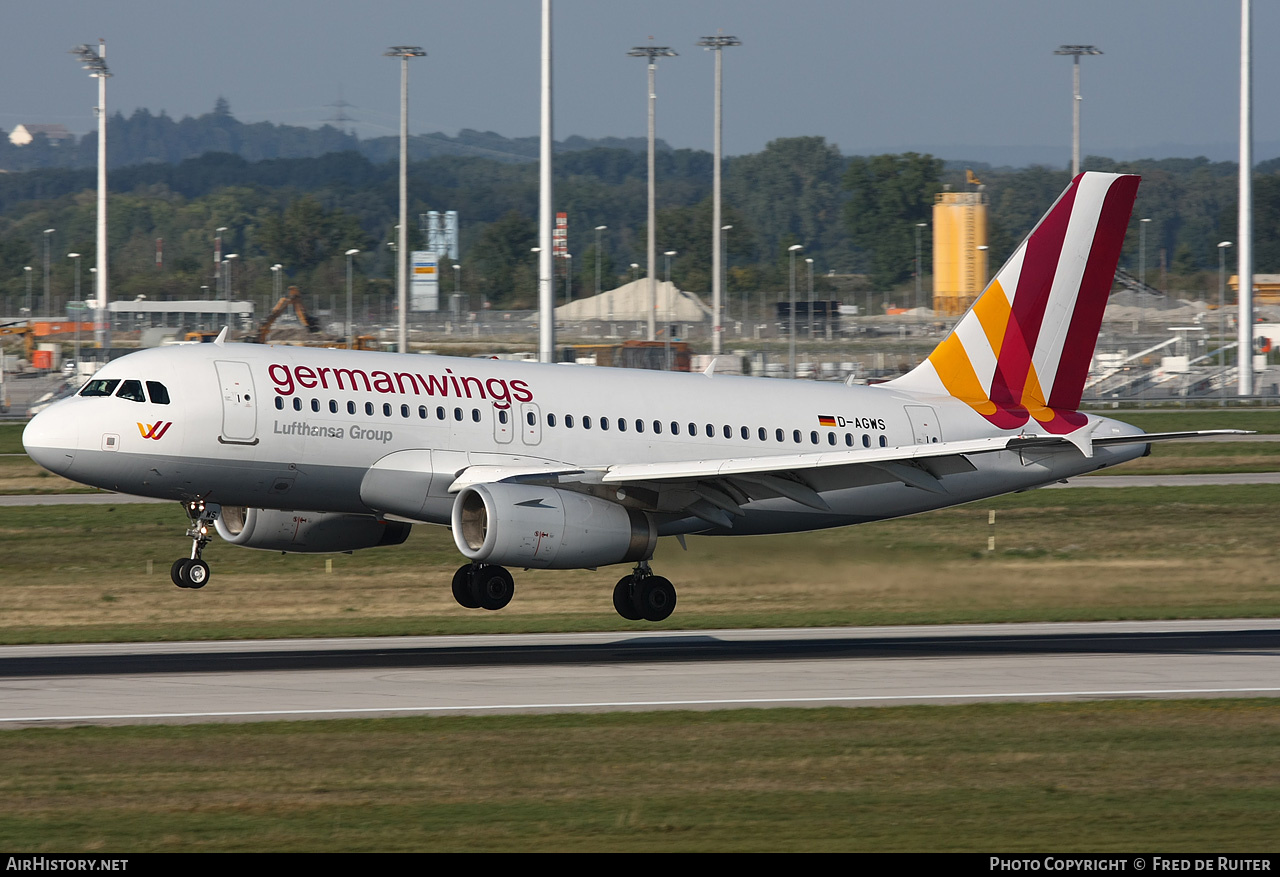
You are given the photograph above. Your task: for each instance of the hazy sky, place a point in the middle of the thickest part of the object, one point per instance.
(972, 79)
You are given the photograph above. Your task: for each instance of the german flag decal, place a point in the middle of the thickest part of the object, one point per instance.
(826, 420)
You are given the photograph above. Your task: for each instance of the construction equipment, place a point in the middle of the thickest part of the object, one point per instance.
(292, 299)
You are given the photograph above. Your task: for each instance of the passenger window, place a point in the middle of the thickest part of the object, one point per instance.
(279, 404)
(884, 442)
(727, 430)
(568, 421)
(530, 419)
(795, 436)
(657, 427)
(551, 420)
(622, 424)
(457, 414)
(100, 387)
(333, 406)
(693, 429)
(675, 428)
(639, 425)
(711, 431)
(502, 415)
(158, 392)
(866, 440)
(368, 409)
(831, 438)
(780, 435)
(586, 422)
(475, 415)
(297, 404)
(604, 423)
(764, 434)
(131, 390)
(848, 439)
(386, 409)
(315, 405)
(813, 436)
(404, 410)
(745, 433)
(422, 412)
(440, 413)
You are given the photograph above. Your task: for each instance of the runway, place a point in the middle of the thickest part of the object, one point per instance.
(169, 683)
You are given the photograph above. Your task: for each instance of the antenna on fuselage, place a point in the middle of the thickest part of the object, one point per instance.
(222, 337)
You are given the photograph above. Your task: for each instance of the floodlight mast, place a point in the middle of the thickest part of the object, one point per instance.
(653, 53)
(404, 53)
(716, 44)
(546, 274)
(96, 63)
(1076, 52)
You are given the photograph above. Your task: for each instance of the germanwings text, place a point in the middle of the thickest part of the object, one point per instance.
(288, 380)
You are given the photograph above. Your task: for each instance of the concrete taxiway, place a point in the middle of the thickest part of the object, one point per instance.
(651, 670)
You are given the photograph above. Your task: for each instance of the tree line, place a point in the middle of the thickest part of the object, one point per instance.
(855, 216)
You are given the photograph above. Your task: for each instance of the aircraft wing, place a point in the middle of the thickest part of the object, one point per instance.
(715, 489)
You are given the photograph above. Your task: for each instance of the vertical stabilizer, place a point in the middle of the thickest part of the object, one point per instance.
(1023, 350)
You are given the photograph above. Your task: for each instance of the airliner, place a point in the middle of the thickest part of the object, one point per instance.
(542, 466)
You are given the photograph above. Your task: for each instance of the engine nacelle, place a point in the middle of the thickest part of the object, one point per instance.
(306, 532)
(528, 525)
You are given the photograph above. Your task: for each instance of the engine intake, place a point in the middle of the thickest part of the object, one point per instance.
(547, 528)
(306, 532)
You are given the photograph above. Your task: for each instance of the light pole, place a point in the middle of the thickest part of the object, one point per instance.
(919, 287)
(350, 339)
(226, 315)
(26, 269)
(76, 308)
(96, 64)
(1075, 52)
(568, 282)
(1142, 267)
(404, 53)
(792, 251)
(809, 262)
(666, 332)
(653, 53)
(47, 232)
(723, 236)
(1222, 316)
(716, 44)
(599, 304)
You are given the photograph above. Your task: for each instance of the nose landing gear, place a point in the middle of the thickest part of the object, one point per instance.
(192, 572)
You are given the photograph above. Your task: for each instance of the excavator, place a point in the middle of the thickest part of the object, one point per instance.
(291, 300)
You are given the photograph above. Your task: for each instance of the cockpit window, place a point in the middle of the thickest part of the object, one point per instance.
(158, 392)
(100, 387)
(131, 390)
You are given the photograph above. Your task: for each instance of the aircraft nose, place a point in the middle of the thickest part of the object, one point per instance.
(51, 438)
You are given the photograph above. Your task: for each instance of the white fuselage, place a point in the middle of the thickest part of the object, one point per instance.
(304, 428)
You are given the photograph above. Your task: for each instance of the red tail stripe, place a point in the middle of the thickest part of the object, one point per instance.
(1035, 282)
(1095, 289)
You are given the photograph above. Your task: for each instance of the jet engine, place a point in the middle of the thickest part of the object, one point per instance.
(529, 525)
(306, 532)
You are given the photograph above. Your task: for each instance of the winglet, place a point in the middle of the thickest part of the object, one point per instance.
(222, 337)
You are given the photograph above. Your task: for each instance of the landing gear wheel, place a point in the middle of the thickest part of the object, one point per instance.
(492, 587)
(623, 601)
(462, 588)
(178, 572)
(655, 598)
(196, 574)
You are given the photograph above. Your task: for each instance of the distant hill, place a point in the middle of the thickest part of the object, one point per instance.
(146, 138)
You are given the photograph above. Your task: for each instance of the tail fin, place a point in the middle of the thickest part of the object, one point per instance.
(1023, 350)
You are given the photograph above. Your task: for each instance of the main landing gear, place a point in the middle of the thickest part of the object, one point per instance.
(641, 596)
(644, 596)
(483, 586)
(192, 572)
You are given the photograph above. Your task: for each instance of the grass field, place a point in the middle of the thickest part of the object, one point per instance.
(1194, 776)
(80, 573)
